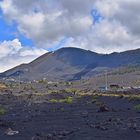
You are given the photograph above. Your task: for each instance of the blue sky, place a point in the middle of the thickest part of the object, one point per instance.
(97, 17)
(6, 31)
(9, 32)
(30, 28)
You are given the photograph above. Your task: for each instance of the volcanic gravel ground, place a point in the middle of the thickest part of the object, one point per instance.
(80, 120)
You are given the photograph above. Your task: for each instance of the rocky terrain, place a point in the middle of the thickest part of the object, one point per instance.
(72, 115)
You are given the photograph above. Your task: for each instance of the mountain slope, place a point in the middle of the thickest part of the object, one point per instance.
(72, 64)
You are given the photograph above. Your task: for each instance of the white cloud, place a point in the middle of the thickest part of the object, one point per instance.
(9, 47)
(31, 24)
(47, 22)
(32, 52)
(13, 53)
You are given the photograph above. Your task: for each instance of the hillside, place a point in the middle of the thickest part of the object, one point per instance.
(72, 64)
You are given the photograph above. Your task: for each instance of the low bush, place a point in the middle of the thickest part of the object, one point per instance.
(137, 107)
(68, 100)
(2, 111)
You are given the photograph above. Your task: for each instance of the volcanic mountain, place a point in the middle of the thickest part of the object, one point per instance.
(72, 64)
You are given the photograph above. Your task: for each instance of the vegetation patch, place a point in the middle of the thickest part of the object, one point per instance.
(2, 111)
(133, 98)
(72, 90)
(68, 100)
(137, 107)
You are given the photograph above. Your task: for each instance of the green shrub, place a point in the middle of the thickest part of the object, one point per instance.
(137, 107)
(53, 101)
(68, 100)
(2, 111)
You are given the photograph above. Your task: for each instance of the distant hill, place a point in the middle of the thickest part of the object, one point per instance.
(72, 64)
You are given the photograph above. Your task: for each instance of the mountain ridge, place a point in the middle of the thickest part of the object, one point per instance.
(71, 64)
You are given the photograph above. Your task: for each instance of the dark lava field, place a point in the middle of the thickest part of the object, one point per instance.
(69, 117)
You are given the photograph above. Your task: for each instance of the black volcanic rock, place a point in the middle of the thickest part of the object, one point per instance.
(71, 64)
